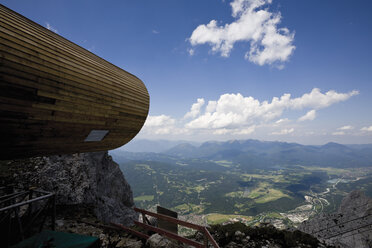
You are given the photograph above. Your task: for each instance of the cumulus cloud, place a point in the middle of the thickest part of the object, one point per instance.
(254, 24)
(234, 110)
(236, 131)
(369, 129)
(346, 128)
(162, 125)
(245, 131)
(343, 130)
(280, 121)
(49, 27)
(238, 115)
(284, 131)
(316, 99)
(309, 116)
(159, 121)
(222, 131)
(338, 133)
(195, 109)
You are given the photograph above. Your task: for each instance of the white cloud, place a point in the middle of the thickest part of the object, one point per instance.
(195, 109)
(191, 51)
(254, 24)
(316, 99)
(280, 121)
(49, 27)
(162, 130)
(162, 125)
(369, 129)
(155, 31)
(159, 121)
(211, 107)
(246, 131)
(222, 131)
(309, 116)
(235, 115)
(284, 131)
(342, 130)
(346, 128)
(338, 133)
(234, 110)
(236, 131)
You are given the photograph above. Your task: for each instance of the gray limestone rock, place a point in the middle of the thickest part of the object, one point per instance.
(85, 178)
(128, 243)
(351, 226)
(158, 241)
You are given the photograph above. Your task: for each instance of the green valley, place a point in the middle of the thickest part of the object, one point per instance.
(226, 191)
(250, 181)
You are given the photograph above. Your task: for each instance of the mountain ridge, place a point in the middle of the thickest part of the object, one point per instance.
(253, 152)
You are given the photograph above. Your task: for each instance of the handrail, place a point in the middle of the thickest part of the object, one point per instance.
(204, 230)
(211, 239)
(170, 219)
(12, 195)
(27, 202)
(10, 212)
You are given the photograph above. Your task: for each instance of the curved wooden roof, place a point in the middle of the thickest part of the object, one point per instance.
(58, 98)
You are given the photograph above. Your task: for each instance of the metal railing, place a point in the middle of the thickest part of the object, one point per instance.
(24, 211)
(207, 236)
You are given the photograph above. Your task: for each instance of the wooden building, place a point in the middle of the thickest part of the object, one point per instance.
(58, 98)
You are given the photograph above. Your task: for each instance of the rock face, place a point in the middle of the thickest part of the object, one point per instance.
(158, 241)
(86, 178)
(351, 226)
(238, 235)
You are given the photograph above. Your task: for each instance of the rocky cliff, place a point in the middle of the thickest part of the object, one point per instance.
(87, 178)
(351, 226)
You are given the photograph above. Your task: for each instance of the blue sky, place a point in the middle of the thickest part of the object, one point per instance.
(233, 56)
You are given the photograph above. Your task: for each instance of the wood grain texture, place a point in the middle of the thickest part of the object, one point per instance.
(54, 93)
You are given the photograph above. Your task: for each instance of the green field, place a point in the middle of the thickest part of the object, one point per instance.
(144, 198)
(214, 218)
(264, 192)
(223, 190)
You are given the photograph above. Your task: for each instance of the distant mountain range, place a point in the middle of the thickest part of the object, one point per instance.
(144, 145)
(257, 153)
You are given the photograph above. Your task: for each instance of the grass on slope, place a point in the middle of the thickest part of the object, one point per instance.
(214, 218)
(261, 194)
(144, 198)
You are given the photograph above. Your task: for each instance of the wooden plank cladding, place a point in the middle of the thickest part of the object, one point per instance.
(58, 98)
